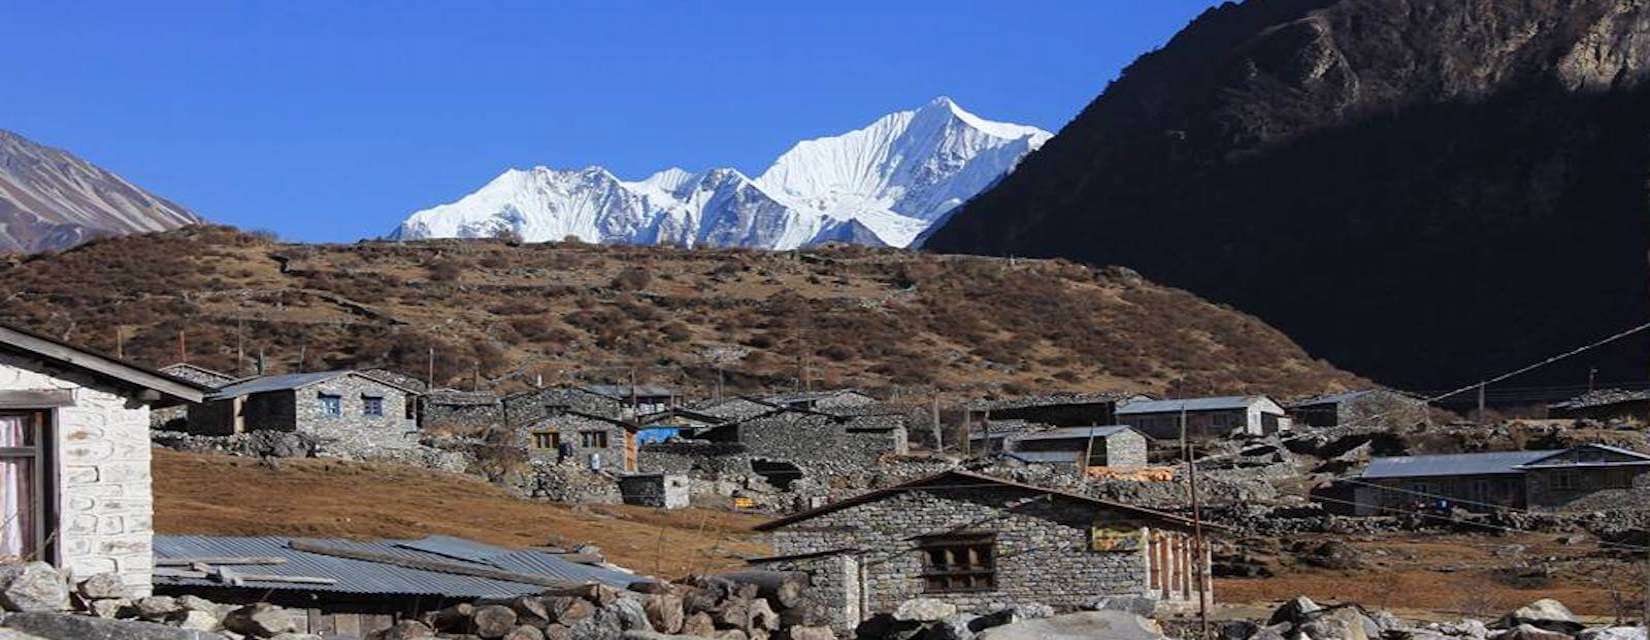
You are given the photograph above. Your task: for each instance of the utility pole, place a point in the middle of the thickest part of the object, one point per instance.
(1481, 403)
(120, 342)
(1592, 375)
(240, 345)
(429, 380)
(303, 347)
(183, 347)
(635, 404)
(477, 385)
(1198, 551)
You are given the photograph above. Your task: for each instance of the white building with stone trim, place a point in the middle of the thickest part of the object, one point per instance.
(75, 486)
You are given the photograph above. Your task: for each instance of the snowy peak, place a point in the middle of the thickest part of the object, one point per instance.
(50, 199)
(885, 183)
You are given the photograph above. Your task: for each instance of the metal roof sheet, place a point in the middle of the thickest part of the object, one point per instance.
(1216, 403)
(1053, 457)
(1066, 433)
(1454, 464)
(360, 576)
(282, 382)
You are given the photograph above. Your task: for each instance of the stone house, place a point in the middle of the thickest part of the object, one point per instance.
(1206, 418)
(529, 406)
(1606, 405)
(1060, 410)
(1583, 477)
(589, 440)
(1115, 446)
(826, 401)
(1372, 407)
(734, 408)
(461, 412)
(991, 436)
(638, 399)
(75, 486)
(982, 542)
(351, 411)
(808, 438)
(673, 423)
(175, 417)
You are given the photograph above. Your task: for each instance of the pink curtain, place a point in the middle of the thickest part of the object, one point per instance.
(16, 494)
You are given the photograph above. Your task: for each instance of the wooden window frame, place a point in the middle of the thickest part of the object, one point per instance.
(943, 572)
(599, 436)
(367, 403)
(328, 410)
(43, 454)
(552, 437)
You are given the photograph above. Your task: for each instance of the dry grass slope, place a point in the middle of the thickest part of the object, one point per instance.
(874, 318)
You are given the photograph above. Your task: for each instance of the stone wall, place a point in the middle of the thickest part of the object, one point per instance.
(1126, 449)
(658, 490)
(833, 596)
(352, 434)
(535, 405)
(817, 442)
(1042, 547)
(105, 500)
(569, 428)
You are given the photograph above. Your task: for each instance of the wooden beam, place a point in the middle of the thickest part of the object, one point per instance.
(36, 399)
(430, 565)
(107, 366)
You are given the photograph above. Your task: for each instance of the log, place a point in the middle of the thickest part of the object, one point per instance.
(493, 621)
(782, 589)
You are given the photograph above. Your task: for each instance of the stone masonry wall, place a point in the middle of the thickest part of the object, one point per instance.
(569, 426)
(353, 434)
(106, 503)
(1041, 545)
(832, 598)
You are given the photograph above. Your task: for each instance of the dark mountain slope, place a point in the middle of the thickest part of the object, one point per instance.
(1423, 191)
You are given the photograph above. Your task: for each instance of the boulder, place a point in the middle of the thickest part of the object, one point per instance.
(156, 607)
(762, 616)
(9, 634)
(698, 624)
(1085, 625)
(103, 586)
(260, 620)
(493, 620)
(1613, 633)
(638, 634)
(63, 626)
(32, 586)
(1294, 611)
(1545, 613)
(1340, 623)
(524, 632)
(109, 608)
(1138, 605)
(195, 619)
(952, 628)
(811, 633)
(1531, 632)
(558, 632)
(664, 611)
(924, 610)
(404, 630)
(568, 610)
(632, 614)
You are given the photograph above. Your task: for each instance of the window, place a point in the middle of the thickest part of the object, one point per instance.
(1565, 481)
(371, 406)
(959, 563)
(593, 439)
(331, 405)
(25, 487)
(546, 440)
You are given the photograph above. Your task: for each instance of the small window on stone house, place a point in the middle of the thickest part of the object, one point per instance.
(331, 405)
(593, 439)
(546, 440)
(372, 406)
(959, 563)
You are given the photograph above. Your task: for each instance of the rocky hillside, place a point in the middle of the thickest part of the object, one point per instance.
(50, 199)
(1424, 191)
(876, 318)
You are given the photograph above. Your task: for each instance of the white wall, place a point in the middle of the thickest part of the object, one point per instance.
(104, 493)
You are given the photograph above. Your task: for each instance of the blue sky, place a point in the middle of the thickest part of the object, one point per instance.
(330, 121)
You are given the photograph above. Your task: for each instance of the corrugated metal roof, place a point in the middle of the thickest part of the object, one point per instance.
(1332, 398)
(282, 382)
(1217, 403)
(1066, 433)
(360, 576)
(1454, 464)
(1053, 457)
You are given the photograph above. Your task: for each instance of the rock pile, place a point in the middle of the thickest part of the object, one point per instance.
(1301, 618)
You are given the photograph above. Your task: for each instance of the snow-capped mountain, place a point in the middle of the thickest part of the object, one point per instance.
(50, 200)
(883, 184)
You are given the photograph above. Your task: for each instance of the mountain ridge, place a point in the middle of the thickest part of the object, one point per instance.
(51, 199)
(892, 179)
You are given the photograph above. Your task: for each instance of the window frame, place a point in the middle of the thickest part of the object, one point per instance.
(599, 435)
(332, 404)
(42, 453)
(368, 403)
(955, 577)
(554, 438)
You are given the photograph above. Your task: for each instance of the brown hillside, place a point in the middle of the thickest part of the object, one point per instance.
(873, 318)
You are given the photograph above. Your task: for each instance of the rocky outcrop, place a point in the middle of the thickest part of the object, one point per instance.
(1366, 174)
